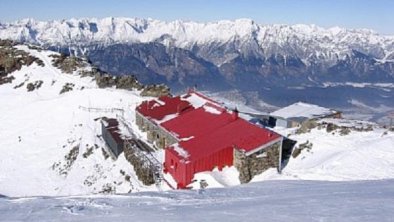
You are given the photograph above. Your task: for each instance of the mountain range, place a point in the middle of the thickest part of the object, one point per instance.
(275, 61)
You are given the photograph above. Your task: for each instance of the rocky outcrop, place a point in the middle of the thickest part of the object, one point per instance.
(68, 64)
(155, 90)
(33, 86)
(12, 59)
(105, 80)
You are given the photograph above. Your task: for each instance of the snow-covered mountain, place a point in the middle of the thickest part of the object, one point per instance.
(51, 145)
(282, 64)
(219, 43)
(303, 41)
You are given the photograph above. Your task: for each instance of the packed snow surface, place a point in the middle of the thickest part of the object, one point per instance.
(267, 201)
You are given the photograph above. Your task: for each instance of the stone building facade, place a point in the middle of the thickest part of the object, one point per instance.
(155, 133)
(251, 165)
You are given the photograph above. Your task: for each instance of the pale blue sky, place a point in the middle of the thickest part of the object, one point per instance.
(372, 14)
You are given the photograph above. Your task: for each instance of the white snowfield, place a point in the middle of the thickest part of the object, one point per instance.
(39, 128)
(264, 201)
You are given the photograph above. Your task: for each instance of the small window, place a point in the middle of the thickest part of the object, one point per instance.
(158, 136)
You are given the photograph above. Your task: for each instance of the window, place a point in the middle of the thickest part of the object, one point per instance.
(261, 153)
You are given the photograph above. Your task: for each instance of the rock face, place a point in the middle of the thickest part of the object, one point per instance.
(154, 63)
(250, 166)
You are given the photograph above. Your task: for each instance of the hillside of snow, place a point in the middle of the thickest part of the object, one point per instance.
(339, 155)
(50, 145)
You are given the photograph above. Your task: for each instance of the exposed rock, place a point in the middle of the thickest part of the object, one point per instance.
(307, 146)
(108, 189)
(344, 131)
(105, 80)
(67, 87)
(12, 59)
(6, 79)
(89, 151)
(331, 127)
(33, 86)
(155, 90)
(68, 64)
(105, 154)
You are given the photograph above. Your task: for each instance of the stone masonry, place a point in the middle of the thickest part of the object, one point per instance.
(155, 133)
(256, 163)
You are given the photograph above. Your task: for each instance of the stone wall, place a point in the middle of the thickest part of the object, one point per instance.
(144, 171)
(161, 138)
(254, 164)
(155, 134)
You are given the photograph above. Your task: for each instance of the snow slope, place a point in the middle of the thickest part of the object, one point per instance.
(268, 201)
(41, 127)
(365, 155)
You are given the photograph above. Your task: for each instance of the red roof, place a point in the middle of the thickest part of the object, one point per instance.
(165, 105)
(239, 133)
(198, 121)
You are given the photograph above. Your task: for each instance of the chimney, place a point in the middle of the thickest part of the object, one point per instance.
(234, 114)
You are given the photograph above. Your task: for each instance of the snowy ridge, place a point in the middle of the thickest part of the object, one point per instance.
(304, 41)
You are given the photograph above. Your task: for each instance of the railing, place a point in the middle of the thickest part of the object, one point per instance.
(148, 160)
(138, 146)
(105, 110)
